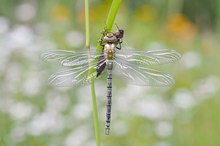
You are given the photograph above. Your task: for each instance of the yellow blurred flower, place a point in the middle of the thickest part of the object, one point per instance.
(179, 26)
(60, 13)
(145, 13)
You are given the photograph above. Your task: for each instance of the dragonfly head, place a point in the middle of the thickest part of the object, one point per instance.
(110, 38)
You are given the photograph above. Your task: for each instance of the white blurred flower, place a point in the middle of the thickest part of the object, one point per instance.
(90, 143)
(153, 109)
(74, 38)
(21, 36)
(4, 25)
(12, 77)
(191, 59)
(82, 110)
(77, 137)
(41, 28)
(21, 110)
(25, 12)
(183, 99)
(127, 97)
(205, 88)
(56, 102)
(47, 122)
(31, 86)
(162, 143)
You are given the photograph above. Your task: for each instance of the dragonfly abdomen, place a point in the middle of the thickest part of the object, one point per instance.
(109, 96)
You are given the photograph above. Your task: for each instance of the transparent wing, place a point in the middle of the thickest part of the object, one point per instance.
(77, 76)
(69, 58)
(141, 76)
(144, 58)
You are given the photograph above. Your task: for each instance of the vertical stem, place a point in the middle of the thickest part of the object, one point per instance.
(95, 113)
(112, 14)
(110, 19)
(87, 25)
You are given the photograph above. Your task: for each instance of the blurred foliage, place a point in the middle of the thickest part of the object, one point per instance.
(33, 113)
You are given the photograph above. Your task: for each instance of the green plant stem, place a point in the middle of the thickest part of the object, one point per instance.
(112, 14)
(87, 25)
(95, 113)
(110, 19)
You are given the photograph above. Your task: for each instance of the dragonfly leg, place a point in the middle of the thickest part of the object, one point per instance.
(119, 44)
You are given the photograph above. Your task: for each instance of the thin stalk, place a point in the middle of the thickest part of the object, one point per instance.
(110, 19)
(112, 14)
(95, 113)
(87, 25)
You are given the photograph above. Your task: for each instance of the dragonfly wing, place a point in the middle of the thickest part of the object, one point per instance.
(145, 58)
(77, 76)
(141, 76)
(69, 58)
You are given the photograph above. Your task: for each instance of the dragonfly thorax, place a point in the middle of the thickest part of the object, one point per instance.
(109, 51)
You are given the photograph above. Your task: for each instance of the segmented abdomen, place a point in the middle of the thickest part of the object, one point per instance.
(109, 96)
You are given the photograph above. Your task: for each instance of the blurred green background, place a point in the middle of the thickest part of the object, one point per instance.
(32, 113)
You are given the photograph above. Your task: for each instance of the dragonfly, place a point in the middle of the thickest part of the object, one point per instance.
(130, 65)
